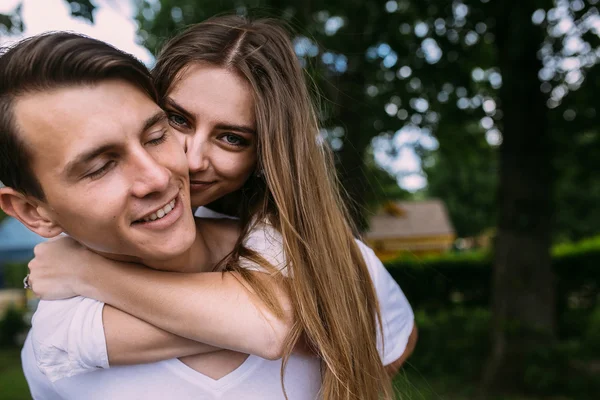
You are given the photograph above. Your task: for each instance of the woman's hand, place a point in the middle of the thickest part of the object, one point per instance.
(58, 266)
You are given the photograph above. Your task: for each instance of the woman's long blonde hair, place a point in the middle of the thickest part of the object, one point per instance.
(333, 297)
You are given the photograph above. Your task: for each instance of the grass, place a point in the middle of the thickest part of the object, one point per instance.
(12, 381)
(413, 386)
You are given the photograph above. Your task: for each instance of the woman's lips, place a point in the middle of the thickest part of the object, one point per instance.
(200, 185)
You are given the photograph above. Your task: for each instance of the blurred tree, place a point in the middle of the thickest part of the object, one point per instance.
(523, 301)
(12, 22)
(576, 131)
(469, 73)
(497, 86)
(464, 173)
(383, 187)
(83, 8)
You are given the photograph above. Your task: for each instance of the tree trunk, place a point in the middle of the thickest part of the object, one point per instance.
(523, 300)
(351, 158)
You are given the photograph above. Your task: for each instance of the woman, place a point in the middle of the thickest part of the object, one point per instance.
(260, 149)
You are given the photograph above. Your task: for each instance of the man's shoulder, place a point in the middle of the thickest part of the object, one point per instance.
(64, 333)
(52, 321)
(51, 314)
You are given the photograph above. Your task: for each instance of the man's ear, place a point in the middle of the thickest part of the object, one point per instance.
(32, 213)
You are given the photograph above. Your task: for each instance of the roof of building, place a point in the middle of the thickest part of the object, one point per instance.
(405, 219)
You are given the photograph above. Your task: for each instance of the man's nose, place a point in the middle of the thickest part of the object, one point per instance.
(149, 176)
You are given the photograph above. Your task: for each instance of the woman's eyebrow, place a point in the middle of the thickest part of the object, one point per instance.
(173, 104)
(236, 128)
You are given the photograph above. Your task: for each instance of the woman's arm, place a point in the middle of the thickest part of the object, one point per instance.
(212, 308)
(130, 340)
(394, 367)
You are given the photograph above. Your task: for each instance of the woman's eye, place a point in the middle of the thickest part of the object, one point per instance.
(177, 119)
(234, 140)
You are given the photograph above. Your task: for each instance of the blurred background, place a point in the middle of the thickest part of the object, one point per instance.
(467, 138)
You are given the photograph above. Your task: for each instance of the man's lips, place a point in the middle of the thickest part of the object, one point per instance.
(165, 209)
(162, 220)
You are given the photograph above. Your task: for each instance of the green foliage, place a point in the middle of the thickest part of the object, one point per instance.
(13, 275)
(560, 369)
(591, 335)
(581, 246)
(381, 187)
(463, 172)
(82, 8)
(11, 23)
(431, 283)
(12, 381)
(451, 295)
(2, 215)
(12, 325)
(465, 278)
(452, 341)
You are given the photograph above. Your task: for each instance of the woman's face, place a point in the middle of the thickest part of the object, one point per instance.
(212, 111)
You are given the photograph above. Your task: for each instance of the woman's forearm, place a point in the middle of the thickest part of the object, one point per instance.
(212, 307)
(129, 340)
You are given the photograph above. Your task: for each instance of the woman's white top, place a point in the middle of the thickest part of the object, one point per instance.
(65, 356)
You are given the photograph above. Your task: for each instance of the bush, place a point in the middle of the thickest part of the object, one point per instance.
(13, 275)
(464, 279)
(591, 335)
(451, 297)
(12, 325)
(431, 283)
(452, 343)
(559, 369)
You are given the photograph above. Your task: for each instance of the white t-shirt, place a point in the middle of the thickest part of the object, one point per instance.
(67, 339)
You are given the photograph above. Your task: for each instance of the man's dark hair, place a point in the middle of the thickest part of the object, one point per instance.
(50, 61)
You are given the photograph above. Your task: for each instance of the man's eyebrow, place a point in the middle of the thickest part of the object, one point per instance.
(222, 126)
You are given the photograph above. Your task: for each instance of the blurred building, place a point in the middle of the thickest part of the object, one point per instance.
(16, 247)
(16, 242)
(417, 227)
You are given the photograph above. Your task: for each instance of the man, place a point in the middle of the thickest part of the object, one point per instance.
(83, 144)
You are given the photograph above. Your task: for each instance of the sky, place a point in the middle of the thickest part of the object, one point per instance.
(114, 23)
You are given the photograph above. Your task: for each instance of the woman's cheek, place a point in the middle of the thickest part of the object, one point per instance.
(239, 167)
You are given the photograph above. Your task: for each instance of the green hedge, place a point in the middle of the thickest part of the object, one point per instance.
(464, 279)
(13, 274)
(454, 344)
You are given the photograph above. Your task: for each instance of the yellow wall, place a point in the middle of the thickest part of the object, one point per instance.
(11, 297)
(389, 248)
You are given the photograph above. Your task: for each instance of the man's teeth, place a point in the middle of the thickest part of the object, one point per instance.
(161, 213)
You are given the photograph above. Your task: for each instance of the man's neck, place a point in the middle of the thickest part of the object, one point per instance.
(198, 258)
(214, 240)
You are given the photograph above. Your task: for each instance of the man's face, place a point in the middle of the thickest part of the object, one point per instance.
(114, 176)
